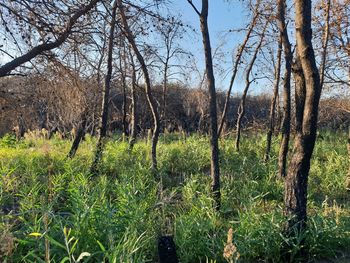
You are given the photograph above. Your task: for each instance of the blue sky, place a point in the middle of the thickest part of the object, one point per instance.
(223, 16)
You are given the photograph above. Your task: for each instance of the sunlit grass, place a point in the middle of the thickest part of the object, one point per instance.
(117, 216)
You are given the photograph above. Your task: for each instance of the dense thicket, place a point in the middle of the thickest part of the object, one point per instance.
(43, 104)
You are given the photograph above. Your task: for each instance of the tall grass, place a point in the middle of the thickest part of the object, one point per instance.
(52, 203)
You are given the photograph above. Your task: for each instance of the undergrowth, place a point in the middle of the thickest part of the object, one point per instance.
(51, 207)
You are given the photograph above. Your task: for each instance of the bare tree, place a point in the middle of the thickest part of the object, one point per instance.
(79, 135)
(238, 58)
(134, 115)
(49, 45)
(214, 171)
(105, 95)
(170, 32)
(307, 101)
(337, 68)
(152, 103)
(273, 101)
(288, 57)
(248, 82)
(122, 69)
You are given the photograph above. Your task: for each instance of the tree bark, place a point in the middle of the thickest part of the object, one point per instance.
(150, 98)
(105, 96)
(210, 79)
(8, 67)
(165, 88)
(79, 135)
(296, 181)
(134, 116)
(273, 102)
(241, 108)
(288, 57)
(235, 67)
(122, 65)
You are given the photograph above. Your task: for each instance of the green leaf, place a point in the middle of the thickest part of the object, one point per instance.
(103, 249)
(74, 245)
(65, 259)
(56, 243)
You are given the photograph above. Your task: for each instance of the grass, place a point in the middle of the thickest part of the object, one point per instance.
(51, 207)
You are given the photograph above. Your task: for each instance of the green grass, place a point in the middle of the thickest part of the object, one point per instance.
(118, 215)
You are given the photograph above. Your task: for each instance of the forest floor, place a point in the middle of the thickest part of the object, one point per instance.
(52, 208)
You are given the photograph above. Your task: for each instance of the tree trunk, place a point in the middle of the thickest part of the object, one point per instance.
(273, 102)
(235, 67)
(214, 171)
(165, 87)
(325, 42)
(286, 119)
(209, 73)
(79, 135)
(134, 117)
(150, 98)
(122, 57)
(296, 181)
(105, 96)
(241, 108)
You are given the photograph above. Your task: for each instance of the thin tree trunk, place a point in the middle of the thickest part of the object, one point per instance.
(134, 117)
(241, 108)
(79, 135)
(296, 181)
(150, 98)
(273, 102)
(325, 42)
(105, 96)
(123, 80)
(165, 88)
(215, 171)
(288, 57)
(235, 68)
(209, 73)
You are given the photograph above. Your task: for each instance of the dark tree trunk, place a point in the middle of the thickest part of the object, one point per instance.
(150, 98)
(20, 128)
(165, 88)
(122, 66)
(105, 96)
(241, 108)
(273, 102)
(235, 68)
(79, 136)
(214, 171)
(296, 181)
(300, 94)
(134, 116)
(286, 119)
